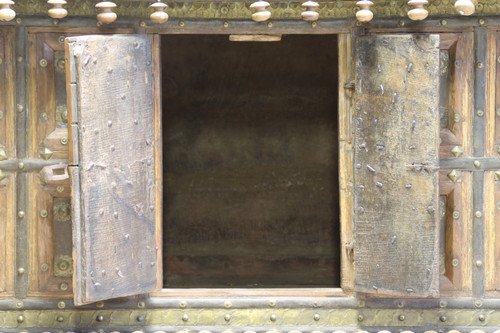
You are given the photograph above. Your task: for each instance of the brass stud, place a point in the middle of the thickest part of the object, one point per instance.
(497, 175)
(63, 286)
(401, 23)
(182, 304)
(19, 20)
(64, 140)
(3, 155)
(139, 318)
(60, 319)
(61, 305)
(478, 214)
(141, 305)
(479, 65)
(314, 24)
(20, 108)
(402, 317)
(142, 24)
(46, 153)
(228, 304)
(444, 22)
(481, 317)
(456, 117)
(443, 304)
(19, 59)
(443, 318)
(361, 318)
(20, 214)
(99, 305)
(225, 24)
(20, 319)
(272, 302)
(19, 304)
(482, 21)
(269, 24)
(20, 165)
(21, 271)
(43, 63)
(316, 317)
(227, 317)
(477, 164)
(185, 317)
(480, 113)
(456, 151)
(456, 215)
(44, 213)
(454, 262)
(478, 303)
(60, 189)
(45, 267)
(479, 263)
(99, 318)
(273, 317)
(181, 24)
(454, 176)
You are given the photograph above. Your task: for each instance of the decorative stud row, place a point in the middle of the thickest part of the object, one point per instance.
(418, 11)
(364, 14)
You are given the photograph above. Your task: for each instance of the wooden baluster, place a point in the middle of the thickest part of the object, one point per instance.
(465, 7)
(57, 11)
(6, 13)
(261, 14)
(106, 15)
(418, 12)
(364, 14)
(310, 14)
(159, 16)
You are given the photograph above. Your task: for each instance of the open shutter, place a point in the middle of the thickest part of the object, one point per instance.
(395, 165)
(112, 164)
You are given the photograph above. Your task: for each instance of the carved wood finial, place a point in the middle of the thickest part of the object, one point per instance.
(418, 12)
(261, 14)
(6, 13)
(364, 14)
(57, 11)
(310, 14)
(465, 7)
(106, 15)
(159, 16)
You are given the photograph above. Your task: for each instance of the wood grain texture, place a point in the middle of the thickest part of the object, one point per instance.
(346, 77)
(456, 73)
(456, 235)
(7, 144)
(396, 162)
(114, 234)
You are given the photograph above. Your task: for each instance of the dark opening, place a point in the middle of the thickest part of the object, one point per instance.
(250, 151)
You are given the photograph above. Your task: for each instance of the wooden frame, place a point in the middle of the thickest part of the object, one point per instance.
(8, 150)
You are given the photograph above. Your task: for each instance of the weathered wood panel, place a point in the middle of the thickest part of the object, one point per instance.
(7, 151)
(456, 70)
(396, 161)
(455, 234)
(250, 160)
(48, 140)
(114, 233)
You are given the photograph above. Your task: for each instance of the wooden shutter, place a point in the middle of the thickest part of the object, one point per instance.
(116, 242)
(395, 165)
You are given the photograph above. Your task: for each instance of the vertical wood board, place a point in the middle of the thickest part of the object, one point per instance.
(115, 243)
(396, 162)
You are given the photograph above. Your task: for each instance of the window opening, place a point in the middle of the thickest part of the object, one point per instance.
(250, 162)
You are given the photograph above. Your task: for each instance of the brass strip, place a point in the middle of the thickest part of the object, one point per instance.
(241, 10)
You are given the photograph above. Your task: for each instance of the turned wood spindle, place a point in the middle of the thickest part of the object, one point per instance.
(418, 12)
(261, 14)
(364, 14)
(159, 16)
(106, 15)
(57, 11)
(6, 13)
(310, 14)
(465, 7)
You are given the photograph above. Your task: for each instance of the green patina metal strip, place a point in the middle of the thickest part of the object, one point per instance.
(318, 318)
(241, 10)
